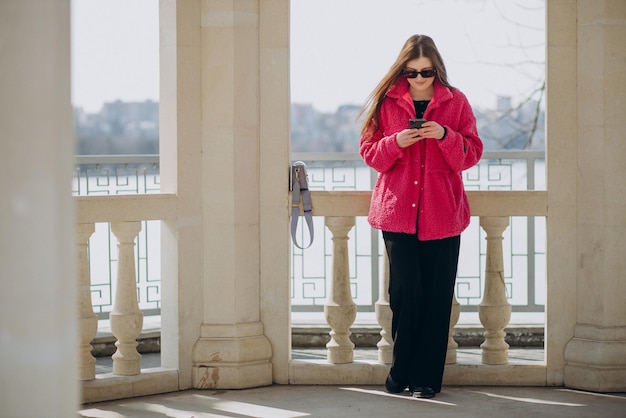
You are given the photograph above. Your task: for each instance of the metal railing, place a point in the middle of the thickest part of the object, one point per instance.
(97, 175)
(116, 174)
(524, 240)
(524, 243)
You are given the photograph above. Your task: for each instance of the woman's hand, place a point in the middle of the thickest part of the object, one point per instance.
(430, 129)
(408, 137)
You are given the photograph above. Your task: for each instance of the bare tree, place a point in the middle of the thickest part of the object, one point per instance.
(524, 119)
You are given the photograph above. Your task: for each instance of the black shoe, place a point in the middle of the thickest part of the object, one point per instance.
(423, 392)
(392, 386)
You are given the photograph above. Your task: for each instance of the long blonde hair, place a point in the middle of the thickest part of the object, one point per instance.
(415, 47)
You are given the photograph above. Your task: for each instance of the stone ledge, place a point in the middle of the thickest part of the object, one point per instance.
(465, 336)
(107, 387)
(309, 336)
(320, 372)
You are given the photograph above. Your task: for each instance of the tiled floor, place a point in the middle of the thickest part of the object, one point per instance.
(348, 401)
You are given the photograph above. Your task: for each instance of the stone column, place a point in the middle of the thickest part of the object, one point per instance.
(274, 113)
(232, 351)
(384, 317)
(561, 154)
(126, 317)
(596, 355)
(494, 311)
(340, 310)
(180, 126)
(88, 320)
(455, 314)
(38, 292)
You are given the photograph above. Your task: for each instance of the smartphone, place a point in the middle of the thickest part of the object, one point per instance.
(416, 123)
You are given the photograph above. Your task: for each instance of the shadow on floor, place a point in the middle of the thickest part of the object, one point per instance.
(283, 401)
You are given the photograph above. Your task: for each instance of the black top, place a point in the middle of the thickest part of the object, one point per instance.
(420, 107)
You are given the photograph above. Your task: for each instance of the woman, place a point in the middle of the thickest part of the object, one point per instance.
(420, 204)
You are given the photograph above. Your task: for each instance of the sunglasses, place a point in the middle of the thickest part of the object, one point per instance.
(415, 73)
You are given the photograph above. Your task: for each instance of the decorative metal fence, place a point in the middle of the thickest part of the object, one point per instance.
(116, 175)
(524, 240)
(524, 245)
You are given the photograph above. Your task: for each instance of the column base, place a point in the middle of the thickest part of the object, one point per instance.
(232, 357)
(495, 357)
(596, 359)
(594, 378)
(340, 355)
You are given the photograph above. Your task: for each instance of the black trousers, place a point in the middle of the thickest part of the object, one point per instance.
(421, 286)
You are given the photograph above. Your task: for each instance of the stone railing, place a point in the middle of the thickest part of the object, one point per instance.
(125, 215)
(339, 209)
(502, 170)
(494, 210)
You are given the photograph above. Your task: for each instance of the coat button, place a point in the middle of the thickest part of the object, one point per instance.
(416, 182)
(413, 205)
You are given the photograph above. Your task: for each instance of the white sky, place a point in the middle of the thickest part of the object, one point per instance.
(339, 48)
(115, 51)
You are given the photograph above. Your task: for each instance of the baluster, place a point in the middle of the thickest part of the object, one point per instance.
(88, 320)
(494, 311)
(340, 310)
(126, 318)
(455, 313)
(383, 316)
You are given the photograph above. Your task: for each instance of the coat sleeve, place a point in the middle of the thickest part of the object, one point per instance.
(380, 151)
(380, 154)
(461, 147)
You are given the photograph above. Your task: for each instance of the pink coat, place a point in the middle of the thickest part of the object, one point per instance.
(420, 188)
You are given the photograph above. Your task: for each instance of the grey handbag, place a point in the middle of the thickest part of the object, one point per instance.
(300, 194)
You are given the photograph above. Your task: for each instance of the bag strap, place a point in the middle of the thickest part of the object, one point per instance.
(300, 191)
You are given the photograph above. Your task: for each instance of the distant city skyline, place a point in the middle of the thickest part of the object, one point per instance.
(336, 61)
(133, 128)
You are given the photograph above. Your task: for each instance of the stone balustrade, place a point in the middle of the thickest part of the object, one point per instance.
(339, 210)
(124, 214)
(493, 208)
